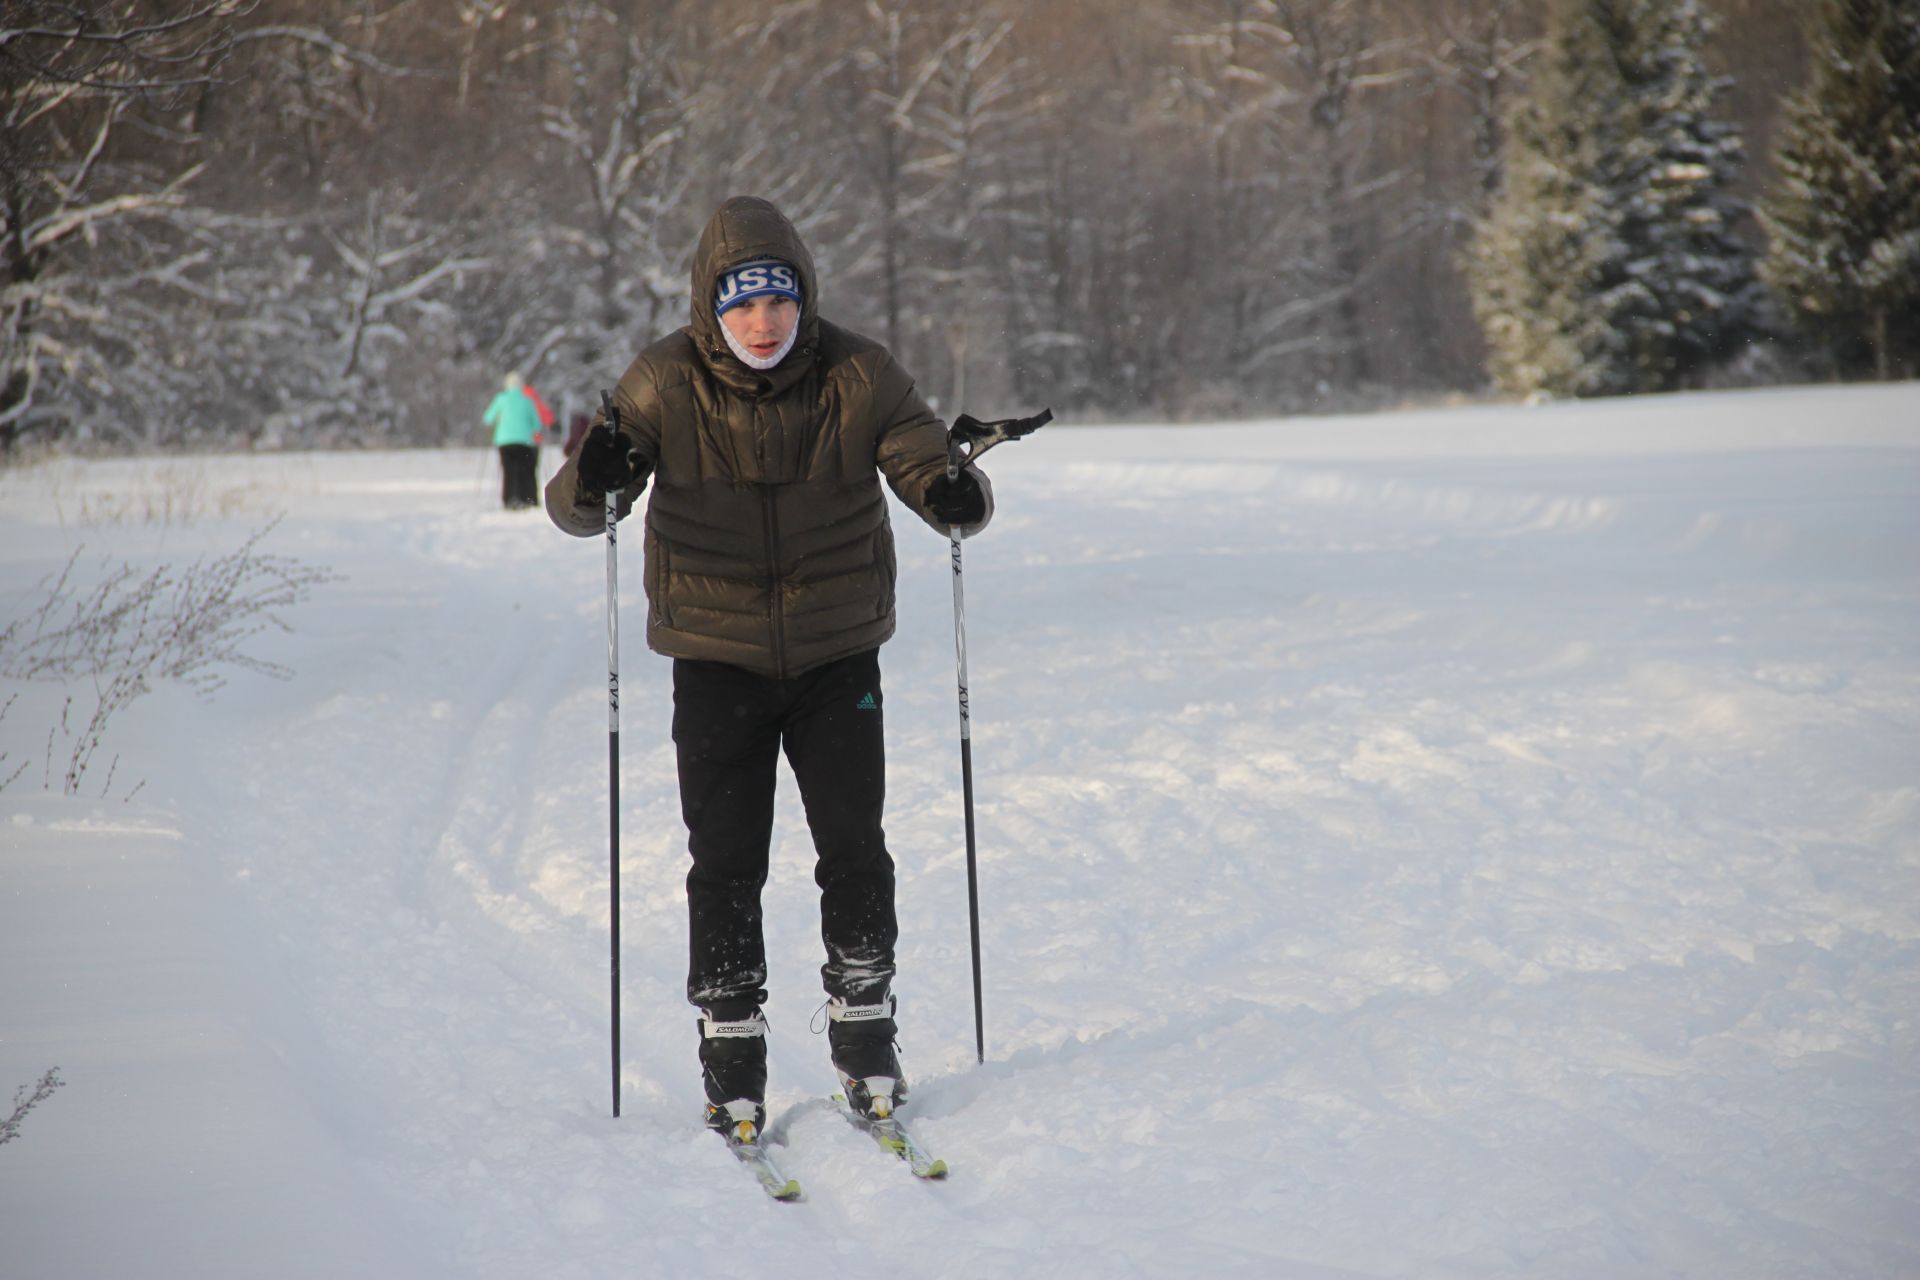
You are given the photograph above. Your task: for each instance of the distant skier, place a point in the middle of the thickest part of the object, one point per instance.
(516, 433)
(766, 431)
(547, 415)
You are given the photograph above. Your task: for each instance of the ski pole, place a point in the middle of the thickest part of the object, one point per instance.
(968, 439)
(613, 755)
(966, 772)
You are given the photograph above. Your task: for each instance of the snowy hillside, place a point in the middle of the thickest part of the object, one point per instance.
(1480, 843)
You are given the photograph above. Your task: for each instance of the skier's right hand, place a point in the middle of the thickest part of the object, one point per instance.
(608, 460)
(959, 501)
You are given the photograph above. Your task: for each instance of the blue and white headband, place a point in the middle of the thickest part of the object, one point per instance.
(767, 276)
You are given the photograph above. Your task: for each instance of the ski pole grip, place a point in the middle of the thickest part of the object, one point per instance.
(962, 439)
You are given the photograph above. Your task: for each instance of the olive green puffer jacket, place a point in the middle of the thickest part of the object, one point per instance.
(768, 544)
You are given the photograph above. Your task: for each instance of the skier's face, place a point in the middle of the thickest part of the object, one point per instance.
(762, 324)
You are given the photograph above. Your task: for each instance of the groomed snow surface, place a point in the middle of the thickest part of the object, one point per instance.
(1472, 843)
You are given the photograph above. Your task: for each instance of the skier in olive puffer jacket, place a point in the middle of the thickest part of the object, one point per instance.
(765, 432)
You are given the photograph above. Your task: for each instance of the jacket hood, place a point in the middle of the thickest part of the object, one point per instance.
(742, 229)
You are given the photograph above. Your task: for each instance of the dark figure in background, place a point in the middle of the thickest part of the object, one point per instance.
(576, 432)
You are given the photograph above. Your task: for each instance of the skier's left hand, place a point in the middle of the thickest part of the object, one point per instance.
(959, 501)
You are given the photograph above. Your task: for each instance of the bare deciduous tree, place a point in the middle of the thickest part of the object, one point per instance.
(84, 210)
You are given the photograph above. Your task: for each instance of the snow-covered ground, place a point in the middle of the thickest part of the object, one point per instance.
(1481, 843)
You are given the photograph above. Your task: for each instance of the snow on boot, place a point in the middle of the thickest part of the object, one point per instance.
(733, 1069)
(861, 1039)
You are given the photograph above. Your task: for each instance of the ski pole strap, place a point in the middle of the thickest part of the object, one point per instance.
(969, 437)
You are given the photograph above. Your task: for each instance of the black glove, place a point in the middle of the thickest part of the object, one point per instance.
(608, 460)
(960, 500)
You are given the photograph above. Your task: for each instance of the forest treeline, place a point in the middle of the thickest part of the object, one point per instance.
(294, 223)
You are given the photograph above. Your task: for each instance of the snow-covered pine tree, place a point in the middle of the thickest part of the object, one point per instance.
(1844, 222)
(1534, 261)
(1682, 292)
(1609, 262)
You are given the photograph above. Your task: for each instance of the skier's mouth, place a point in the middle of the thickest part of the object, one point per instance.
(763, 348)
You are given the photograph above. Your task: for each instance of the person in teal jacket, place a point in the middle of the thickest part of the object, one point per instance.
(516, 433)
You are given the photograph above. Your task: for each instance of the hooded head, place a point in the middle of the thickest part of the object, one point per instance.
(748, 230)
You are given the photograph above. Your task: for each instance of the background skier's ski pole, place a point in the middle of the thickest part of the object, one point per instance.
(613, 755)
(968, 439)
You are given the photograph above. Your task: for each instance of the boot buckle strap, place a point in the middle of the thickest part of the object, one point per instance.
(839, 1012)
(752, 1028)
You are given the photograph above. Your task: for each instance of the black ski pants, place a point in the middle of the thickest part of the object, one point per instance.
(729, 729)
(519, 478)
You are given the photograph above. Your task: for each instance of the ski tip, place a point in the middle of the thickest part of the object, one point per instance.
(788, 1193)
(936, 1172)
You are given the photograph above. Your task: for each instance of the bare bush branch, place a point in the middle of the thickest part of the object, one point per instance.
(135, 628)
(25, 1099)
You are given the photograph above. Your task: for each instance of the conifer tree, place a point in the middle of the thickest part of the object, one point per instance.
(1610, 261)
(1682, 291)
(1535, 257)
(1844, 222)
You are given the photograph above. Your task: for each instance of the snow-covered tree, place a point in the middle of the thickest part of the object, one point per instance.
(1683, 291)
(891, 64)
(1479, 58)
(979, 96)
(904, 194)
(1844, 221)
(1610, 262)
(141, 301)
(1536, 257)
(382, 288)
(1274, 94)
(604, 271)
(94, 230)
(1332, 58)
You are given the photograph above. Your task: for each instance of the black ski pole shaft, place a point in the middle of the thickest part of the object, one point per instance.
(613, 767)
(967, 440)
(613, 784)
(966, 772)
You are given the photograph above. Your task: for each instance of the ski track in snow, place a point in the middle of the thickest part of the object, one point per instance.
(1486, 851)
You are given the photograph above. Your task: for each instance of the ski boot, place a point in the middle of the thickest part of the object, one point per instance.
(733, 1068)
(861, 1039)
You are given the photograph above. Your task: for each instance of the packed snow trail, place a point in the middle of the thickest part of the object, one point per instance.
(1477, 843)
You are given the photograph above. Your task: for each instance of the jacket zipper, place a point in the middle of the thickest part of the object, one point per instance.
(774, 585)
